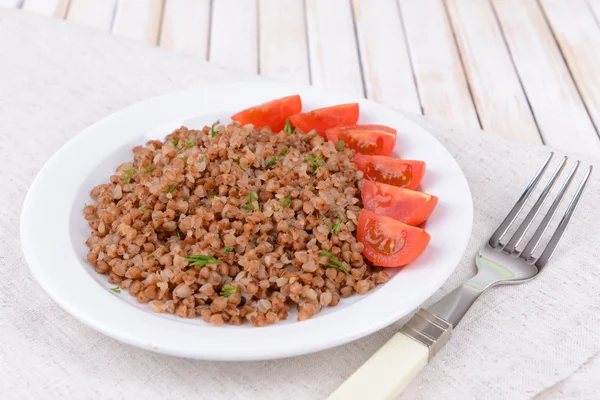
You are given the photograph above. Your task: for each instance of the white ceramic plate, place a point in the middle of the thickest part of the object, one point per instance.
(53, 231)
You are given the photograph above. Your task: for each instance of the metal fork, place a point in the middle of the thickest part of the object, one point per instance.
(392, 367)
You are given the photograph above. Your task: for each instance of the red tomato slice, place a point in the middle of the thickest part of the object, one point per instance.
(389, 243)
(324, 118)
(408, 206)
(365, 139)
(393, 171)
(272, 114)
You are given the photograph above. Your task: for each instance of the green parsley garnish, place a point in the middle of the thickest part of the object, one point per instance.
(250, 199)
(240, 165)
(200, 260)
(143, 209)
(334, 262)
(338, 225)
(276, 209)
(214, 133)
(288, 126)
(272, 162)
(201, 159)
(340, 145)
(148, 169)
(175, 142)
(284, 151)
(228, 249)
(150, 255)
(228, 289)
(170, 189)
(178, 232)
(286, 201)
(130, 173)
(116, 289)
(315, 162)
(189, 143)
(213, 194)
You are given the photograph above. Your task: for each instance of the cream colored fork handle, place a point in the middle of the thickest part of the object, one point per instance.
(387, 372)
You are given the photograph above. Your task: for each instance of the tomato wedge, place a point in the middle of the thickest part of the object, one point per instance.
(365, 139)
(272, 114)
(322, 119)
(393, 171)
(389, 243)
(405, 205)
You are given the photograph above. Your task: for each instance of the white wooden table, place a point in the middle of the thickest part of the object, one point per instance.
(524, 69)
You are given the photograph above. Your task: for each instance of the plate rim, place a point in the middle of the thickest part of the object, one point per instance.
(35, 265)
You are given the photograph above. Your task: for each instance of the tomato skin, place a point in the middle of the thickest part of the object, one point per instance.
(392, 171)
(322, 119)
(405, 205)
(272, 114)
(365, 139)
(388, 242)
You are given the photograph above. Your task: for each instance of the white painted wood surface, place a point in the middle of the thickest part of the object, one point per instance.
(138, 19)
(283, 48)
(524, 69)
(94, 13)
(438, 70)
(186, 27)
(501, 103)
(234, 34)
(334, 60)
(557, 106)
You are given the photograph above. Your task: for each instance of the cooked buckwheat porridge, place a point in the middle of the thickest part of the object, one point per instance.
(229, 223)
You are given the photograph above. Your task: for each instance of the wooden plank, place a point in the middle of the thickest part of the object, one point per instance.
(234, 35)
(55, 8)
(138, 19)
(578, 35)
(437, 66)
(501, 103)
(334, 60)
(282, 35)
(93, 13)
(384, 54)
(10, 3)
(186, 26)
(561, 116)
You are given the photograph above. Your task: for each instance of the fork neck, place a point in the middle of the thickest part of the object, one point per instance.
(455, 304)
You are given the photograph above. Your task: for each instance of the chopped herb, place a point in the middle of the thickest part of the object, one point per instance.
(175, 142)
(200, 260)
(201, 159)
(338, 225)
(130, 173)
(251, 198)
(143, 209)
(288, 126)
(116, 289)
(284, 151)
(286, 201)
(228, 289)
(148, 169)
(260, 207)
(228, 249)
(212, 195)
(150, 255)
(240, 165)
(178, 232)
(272, 162)
(136, 195)
(170, 189)
(189, 143)
(340, 145)
(276, 209)
(184, 159)
(214, 133)
(334, 262)
(315, 162)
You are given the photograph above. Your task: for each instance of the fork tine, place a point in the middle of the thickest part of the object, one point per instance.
(562, 226)
(522, 229)
(531, 246)
(514, 212)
